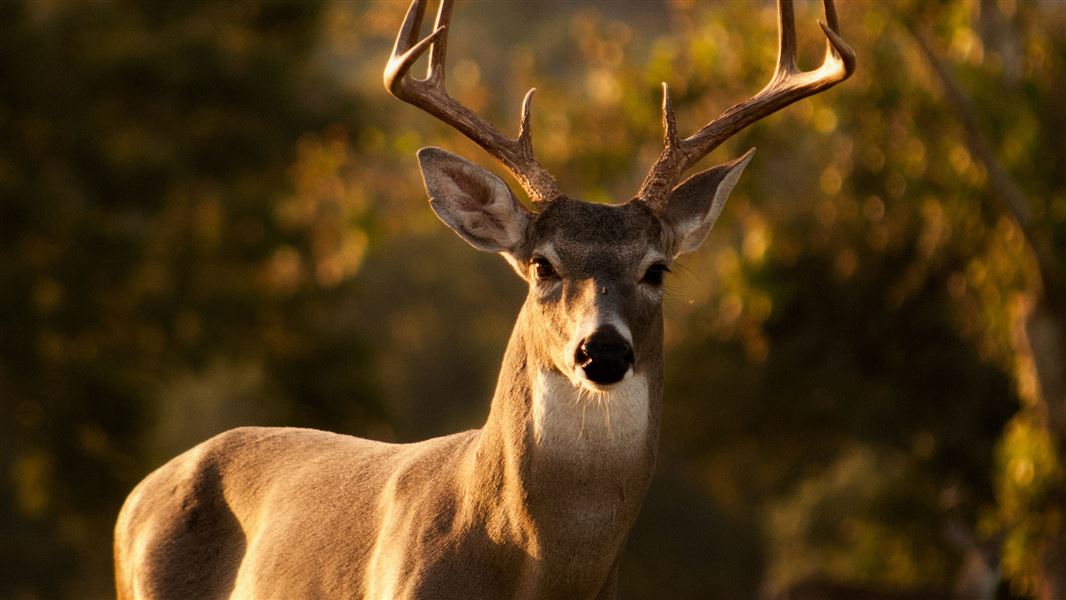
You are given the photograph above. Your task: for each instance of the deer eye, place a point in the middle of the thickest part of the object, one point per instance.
(655, 273)
(544, 269)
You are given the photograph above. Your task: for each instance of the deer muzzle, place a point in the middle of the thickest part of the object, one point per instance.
(605, 356)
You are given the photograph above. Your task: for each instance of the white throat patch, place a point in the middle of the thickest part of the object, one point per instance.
(589, 425)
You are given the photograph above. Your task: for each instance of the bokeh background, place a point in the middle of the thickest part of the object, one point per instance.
(211, 215)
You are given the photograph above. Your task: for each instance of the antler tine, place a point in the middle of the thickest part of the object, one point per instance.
(786, 38)
(440, 45)
(525, 128)
(669, 122)
(407, 48)
(787, 85)
(431, 95)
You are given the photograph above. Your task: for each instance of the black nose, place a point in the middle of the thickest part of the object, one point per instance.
(605, 356)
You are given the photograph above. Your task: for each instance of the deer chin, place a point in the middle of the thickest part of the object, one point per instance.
(582, 421)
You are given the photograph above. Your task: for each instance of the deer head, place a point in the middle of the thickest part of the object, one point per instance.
(595, 271)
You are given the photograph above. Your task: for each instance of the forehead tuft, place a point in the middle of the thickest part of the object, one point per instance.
(597, 223)
(573, 227)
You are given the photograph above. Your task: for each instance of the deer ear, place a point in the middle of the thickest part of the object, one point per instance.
(696, 203)
(475, 203)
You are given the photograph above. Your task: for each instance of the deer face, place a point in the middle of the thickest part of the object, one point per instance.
(595, 271)
(595, 276)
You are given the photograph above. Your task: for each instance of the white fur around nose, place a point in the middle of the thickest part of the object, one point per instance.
(586, 425)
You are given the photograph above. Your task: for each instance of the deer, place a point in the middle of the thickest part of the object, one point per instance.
(538, 502)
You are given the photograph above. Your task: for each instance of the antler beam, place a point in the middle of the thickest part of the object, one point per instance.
(787, 85)
(430, 95)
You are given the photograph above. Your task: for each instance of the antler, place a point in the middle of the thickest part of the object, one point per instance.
(430, 95)
(787, 85)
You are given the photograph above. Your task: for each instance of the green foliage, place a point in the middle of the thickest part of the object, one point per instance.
(1030, 481)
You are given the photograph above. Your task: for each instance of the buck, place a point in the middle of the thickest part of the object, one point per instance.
(539, 501)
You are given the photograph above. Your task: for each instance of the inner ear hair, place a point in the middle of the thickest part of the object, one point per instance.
(473, 202)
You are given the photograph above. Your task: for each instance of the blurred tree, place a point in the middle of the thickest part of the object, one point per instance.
(1024, 66)
(171, 259)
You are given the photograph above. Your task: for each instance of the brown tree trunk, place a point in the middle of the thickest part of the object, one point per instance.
(1045, 332)
(1045, 335)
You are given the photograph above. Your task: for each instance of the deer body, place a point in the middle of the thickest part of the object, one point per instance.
(536, 504)
(539, 502)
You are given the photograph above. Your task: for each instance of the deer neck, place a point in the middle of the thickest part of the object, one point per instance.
(566, 469)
